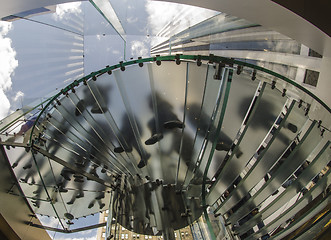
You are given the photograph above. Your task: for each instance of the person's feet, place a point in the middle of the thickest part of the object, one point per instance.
(100, 196)
(221, 146)
(80, 164)
(293, 128)
(94, 173)
(28, 166)
(173, 124)
(275, 193)
(239, 153)
(154, 139)
(80, 195)
(63, 190)
(104, 169)
(97, 109)
(120, 149)
(143, 161)
(141, 164)
(65, 176)
(78, 178)
(80, 107)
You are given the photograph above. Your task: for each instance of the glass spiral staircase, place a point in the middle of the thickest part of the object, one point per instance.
(171, 141)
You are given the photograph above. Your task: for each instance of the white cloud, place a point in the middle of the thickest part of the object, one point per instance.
(166, 19)
(18, 96)
(5, 105)
(131, 20)
(88, 231)
(5, 27)
(48, 221)
(160, 13)
(139, 49)
(8, 63)
(62, 10)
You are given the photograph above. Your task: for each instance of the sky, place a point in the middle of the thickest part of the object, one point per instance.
(50, 51)
(41, 55)
(8, 63)
(85, 235)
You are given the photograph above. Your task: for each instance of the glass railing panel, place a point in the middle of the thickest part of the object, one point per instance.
(133, 84)
(18, 134)
(319, 206)
(65, 187)
(8, 122)
(102, 124)
(83, 129)
(80, 126)
(96, 161)
(48, 178)
(241, 94)
(95, 24)
(82, 200)
(34, 190)
(205, 124)
(303, 149)
(36, 181)
(213, 193)
(167, 103)
(221, 108)
(292, 123)
(297, 186)
(314, 108)
(101, 98)
(196, 80)
(260, 123)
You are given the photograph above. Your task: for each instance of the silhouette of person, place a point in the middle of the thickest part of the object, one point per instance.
(97, 106)
(131, 141)
(205, 126)
(167, 119)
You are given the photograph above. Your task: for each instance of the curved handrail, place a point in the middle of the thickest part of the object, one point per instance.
(211, 59)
